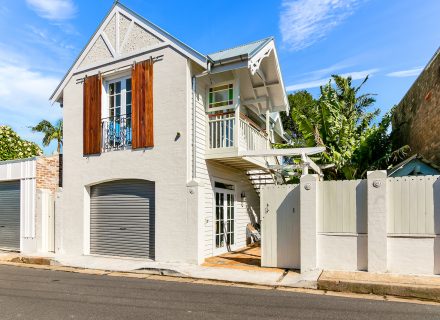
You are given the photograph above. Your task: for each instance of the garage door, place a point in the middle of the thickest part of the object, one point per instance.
(122, 219)
(10, 215)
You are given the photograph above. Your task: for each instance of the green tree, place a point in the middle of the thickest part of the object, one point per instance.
(341, 121)
(51, 132)
(299, 102)
(13, 147)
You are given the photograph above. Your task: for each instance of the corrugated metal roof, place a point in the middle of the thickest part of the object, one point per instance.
(245, 49)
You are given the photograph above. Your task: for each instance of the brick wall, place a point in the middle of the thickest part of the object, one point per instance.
(49, 172)
(416, 120)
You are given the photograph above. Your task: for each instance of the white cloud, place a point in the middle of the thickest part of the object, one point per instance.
(328, 70)
(355, 75)
(307, 85)
(56, 10)
(55, 43)
(406, 73)
(303, 22)
(24, 98)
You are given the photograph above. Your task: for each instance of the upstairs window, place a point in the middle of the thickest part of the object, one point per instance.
(119, 98)
(116, 121)
(221, 97)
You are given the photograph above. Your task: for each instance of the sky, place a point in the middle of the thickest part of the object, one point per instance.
(389, 40)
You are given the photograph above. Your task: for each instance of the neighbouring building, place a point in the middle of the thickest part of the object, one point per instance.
(27, 193)
(416, 119)
(160, 143)
(415, 165)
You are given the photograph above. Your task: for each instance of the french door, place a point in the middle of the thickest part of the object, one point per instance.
(224, 236)
(117, 116)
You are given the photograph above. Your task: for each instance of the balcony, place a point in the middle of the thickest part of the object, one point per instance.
(116, 133)
(228, 143)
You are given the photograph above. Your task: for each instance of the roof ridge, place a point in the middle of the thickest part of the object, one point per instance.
(242, 45)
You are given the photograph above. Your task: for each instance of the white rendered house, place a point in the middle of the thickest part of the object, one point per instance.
(158, 142)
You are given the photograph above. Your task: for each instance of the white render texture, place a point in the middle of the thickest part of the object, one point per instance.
(418, 255)
(309, 195)
(377, 221)
(139, 39)
(165, 163)
(98, 53)
(124, 24)
(110, 31)
(345, 252)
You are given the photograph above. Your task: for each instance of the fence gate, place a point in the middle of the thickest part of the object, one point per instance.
(280, 229)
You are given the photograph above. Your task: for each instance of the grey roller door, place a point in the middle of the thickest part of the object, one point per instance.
(10, 215)
(122, 218)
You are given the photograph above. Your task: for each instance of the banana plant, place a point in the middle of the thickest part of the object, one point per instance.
(341, 120)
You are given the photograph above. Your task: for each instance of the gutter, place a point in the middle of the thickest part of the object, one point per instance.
(240, 58)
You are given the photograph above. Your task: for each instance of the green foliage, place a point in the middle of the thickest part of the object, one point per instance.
(299, 103)
(13, 147)
(341, 121)
(51, 132)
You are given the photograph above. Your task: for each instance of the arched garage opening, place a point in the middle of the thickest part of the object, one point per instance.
(122, 218)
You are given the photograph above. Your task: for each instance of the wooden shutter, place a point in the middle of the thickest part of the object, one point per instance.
(92, 115)
(142, 105)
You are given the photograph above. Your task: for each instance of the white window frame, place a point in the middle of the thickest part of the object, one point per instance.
(234, 96)
(105, 97)
(215, 250)
(105, 103)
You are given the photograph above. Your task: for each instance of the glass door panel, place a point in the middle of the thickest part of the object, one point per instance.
(224, 220)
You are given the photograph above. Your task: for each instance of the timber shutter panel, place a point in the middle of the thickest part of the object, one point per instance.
(92, 88)
(142, 110)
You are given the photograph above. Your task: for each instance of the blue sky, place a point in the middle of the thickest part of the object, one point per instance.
(390, 40)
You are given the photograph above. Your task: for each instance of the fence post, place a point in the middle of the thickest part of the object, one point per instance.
(308, 221)
(377, 221)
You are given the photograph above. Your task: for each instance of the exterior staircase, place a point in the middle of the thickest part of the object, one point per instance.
(260, 178)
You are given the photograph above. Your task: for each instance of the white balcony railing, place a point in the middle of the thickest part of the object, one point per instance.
(252, 138)
(222, 133)
(221, 130)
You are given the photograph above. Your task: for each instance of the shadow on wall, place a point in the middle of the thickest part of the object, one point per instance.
(362, 225)
(252, 206)
(436, 190)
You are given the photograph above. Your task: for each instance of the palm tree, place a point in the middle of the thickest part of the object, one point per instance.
(51, 132)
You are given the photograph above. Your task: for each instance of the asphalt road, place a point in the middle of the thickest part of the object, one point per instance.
(41, 294)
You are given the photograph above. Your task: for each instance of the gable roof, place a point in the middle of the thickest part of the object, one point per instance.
(103, 49)
(246, 50)
(168, 40)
